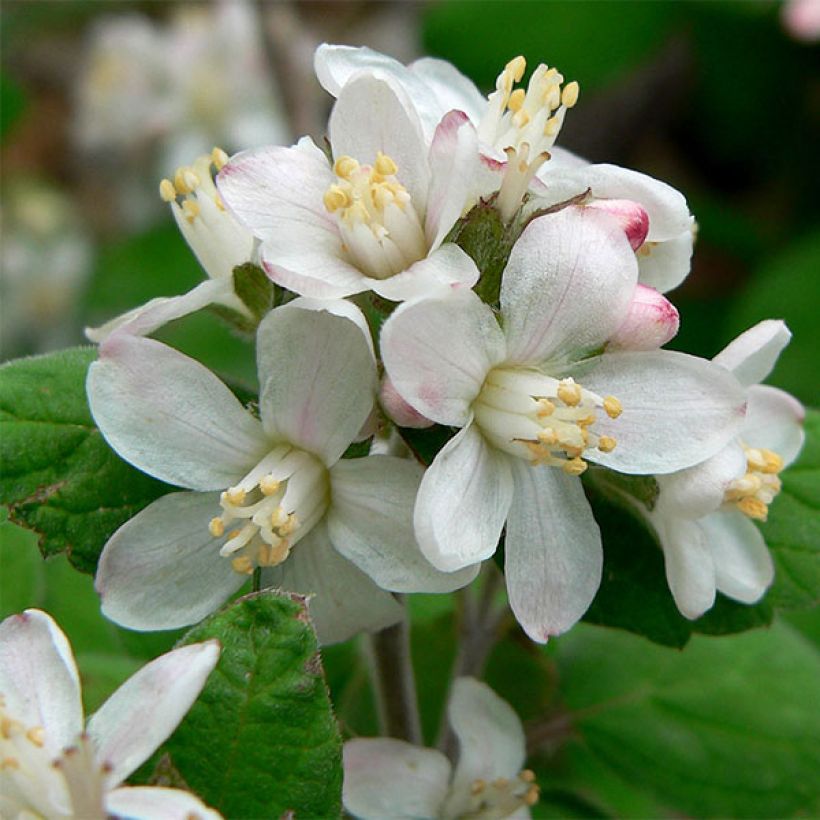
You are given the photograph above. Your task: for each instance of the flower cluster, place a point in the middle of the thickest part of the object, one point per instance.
(536, 367)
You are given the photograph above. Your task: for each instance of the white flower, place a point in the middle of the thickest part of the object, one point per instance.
(290, 505)
(374, 219)
(523, 125)
(53, 764)
(391, 778)
(532, 392)
(703, 515)
(219, 242)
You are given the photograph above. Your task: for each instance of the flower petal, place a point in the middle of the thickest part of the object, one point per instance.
(162, 569)
(38, 678)
(664, 265)
(374, 113)
(344, 600)
(392, 778)
(690, 568)
(774, 421)
(338, 307)
(463, 502)
(753, 354)
(490, 737)
(699, 490)
(678, 410)
(553, 554)
(743, 566)
(145, 710)
(151, 802)
(370, 522)
(318, 379)
(171, 417)
(446, 269)
(449, 87)
(567, 285)
(438, 353)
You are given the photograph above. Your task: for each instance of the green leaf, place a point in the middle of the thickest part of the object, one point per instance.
(60, 479)
(257, 292)
(792, 532)
(727, 728)
(261, 740)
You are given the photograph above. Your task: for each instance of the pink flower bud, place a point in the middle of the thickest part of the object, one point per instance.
(651, 321)
(398, 409)
(633, 218)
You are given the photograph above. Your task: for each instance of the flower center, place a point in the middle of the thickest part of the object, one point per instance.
(275, 505)
(502, 797)
(753, 493)
(524, 124)
(218, 240)
(379, 226)
(546, 420)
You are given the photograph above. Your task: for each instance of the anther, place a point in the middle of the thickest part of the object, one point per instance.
(9, 763)
(527, 775)
(37, 736)
(345, 167)
(569, 96)
(219, 158)
(754, 508)
(242, 564)
(545, 408)
(516, 67)
(532, 795)
(185, 180)
(235, 495)
(551, 127)
(612, 407)
(217, 527)
(575, 466)
(569, 393)
(269, 485)
(547, 436)
(384, 165)
(478, 786)
(606, 444)
(335, 197)
(191, 209)
(167, 190)
(516, 99)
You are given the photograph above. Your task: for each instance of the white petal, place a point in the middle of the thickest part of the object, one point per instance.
(145, 710)
(753, 354)
(553, 554)
(157, 803)
(318, 379)
(372, 114)
(338, 307)
(567, 285)
(690, 569)
(144, 320)
(345, 601)
(678, 410)
(699, 490)
(370, 522)
(490, 736)
(775, 421)
(743, 565)
(392, 778)
(463, 502)
(665, 265)
(438, 353)
(162, 569)
(446, 269)
(171, 417)
(450, 88)
(38, 678)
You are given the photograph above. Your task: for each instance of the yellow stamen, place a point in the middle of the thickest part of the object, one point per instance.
(754, 508)
(516, 67)
(569, 96)
(217, 527)
(575, 466)
(569, 393)
(612, 407)
(335, 197)
(545, 408)
(516, 99)
(37, 736)
(235, 496)
(384, 165)
(219, 158)
(243, 565)
(167, 190)
(345, 166)
(606, 444)
(191, 209)
(269, 485)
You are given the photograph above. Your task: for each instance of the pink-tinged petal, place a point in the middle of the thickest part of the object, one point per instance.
(317, 377)
(753, 354)
(391, 778)
(154, 802)
(438, 352)
(372, 114)
(344, 601)
(678, 410)
(553, 554)
(651, 321)
(664, 265)
(774, 421)
(144, 320)
(38, 678)
(398, 410)
(699, 490)
(446, 269)
(690, 568)
(463, 501)
(338, 307)
(801, 19)
(370, 522)
(458, 175)
(171, 417)
(449, 88)
(145, 710)
(490, 739)
(743, 566)
(567, 285)
(630, 215)
(162, 569)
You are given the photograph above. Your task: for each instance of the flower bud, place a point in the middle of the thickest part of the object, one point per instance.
(633, 218)
(651, 321)
(398, 409)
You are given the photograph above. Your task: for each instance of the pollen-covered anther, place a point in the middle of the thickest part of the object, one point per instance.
(37, 736)
(575, 466)
(569, 393)
(612, 407)
(606, 444)
(235, 495)
(269, 485)
(503, 796)
(242, 564)
(758, 487)
(216, 528)
(167, 191)
(219, 158)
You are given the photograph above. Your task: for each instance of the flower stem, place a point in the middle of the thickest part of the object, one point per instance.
(394, 683)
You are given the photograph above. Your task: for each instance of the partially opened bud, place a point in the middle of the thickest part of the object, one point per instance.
(651, 321)
(398, 409)
(632, 216)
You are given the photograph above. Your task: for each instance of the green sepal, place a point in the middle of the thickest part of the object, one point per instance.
(257, 292)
